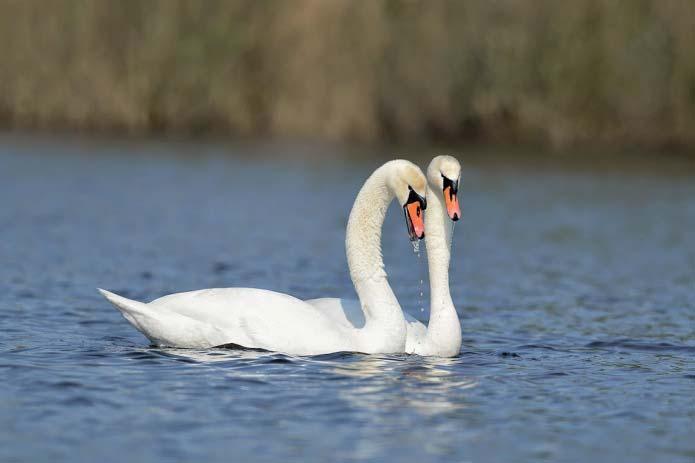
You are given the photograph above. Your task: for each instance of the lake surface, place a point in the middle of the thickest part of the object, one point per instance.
(575, 287)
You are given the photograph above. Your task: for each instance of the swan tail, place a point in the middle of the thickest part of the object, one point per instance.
(125, 305)
(164, 327)
(133, 311)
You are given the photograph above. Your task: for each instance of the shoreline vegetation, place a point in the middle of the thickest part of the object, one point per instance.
(559, 74)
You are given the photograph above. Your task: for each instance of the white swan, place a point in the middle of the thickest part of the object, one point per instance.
(257, 318)
(442, 337)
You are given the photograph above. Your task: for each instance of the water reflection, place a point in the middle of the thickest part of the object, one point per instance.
(211, 356)
(427, 385)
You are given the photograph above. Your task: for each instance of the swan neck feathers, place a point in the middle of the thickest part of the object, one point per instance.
(363, 235)
(444, 329)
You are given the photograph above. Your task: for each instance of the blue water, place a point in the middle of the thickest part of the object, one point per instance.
(575, 289)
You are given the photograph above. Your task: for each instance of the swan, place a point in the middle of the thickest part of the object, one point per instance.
(263, 319)
(442, 336)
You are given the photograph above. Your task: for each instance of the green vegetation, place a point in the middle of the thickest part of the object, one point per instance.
(619, 72)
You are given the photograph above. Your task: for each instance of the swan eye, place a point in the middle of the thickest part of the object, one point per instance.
(448, 183)
(414, 197)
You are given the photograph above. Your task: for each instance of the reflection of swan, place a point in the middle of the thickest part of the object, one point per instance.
(429, 386)
(442, 336)
(209, 356)
(258, 318)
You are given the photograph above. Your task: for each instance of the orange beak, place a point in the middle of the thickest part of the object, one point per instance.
(452, 203)
(414, 215)
(414, 219)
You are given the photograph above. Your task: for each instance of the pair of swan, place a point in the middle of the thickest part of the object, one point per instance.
(263, 319)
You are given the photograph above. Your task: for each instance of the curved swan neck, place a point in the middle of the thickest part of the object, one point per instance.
(363, 236)
(438, 242)
(444, 329)
(385, 328)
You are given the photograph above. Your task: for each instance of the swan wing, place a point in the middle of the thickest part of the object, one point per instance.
(347, 312)
(249, 317)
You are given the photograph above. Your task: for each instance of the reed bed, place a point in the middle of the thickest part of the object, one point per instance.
(607, 72)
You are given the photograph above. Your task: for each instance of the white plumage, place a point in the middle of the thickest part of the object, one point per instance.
(258, 318)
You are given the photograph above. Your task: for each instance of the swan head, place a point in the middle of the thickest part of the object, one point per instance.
(444, 174)
(409, 185)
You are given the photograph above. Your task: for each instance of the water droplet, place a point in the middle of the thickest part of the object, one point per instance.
(451, 235)
(420, 298)
(416, 246)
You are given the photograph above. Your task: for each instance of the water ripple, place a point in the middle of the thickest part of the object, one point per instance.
(577, 346)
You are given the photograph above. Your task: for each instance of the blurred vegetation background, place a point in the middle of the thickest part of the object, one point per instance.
(604, 72)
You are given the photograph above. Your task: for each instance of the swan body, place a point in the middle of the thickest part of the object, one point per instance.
(263, 319)
(248, 317)
(442, 337)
